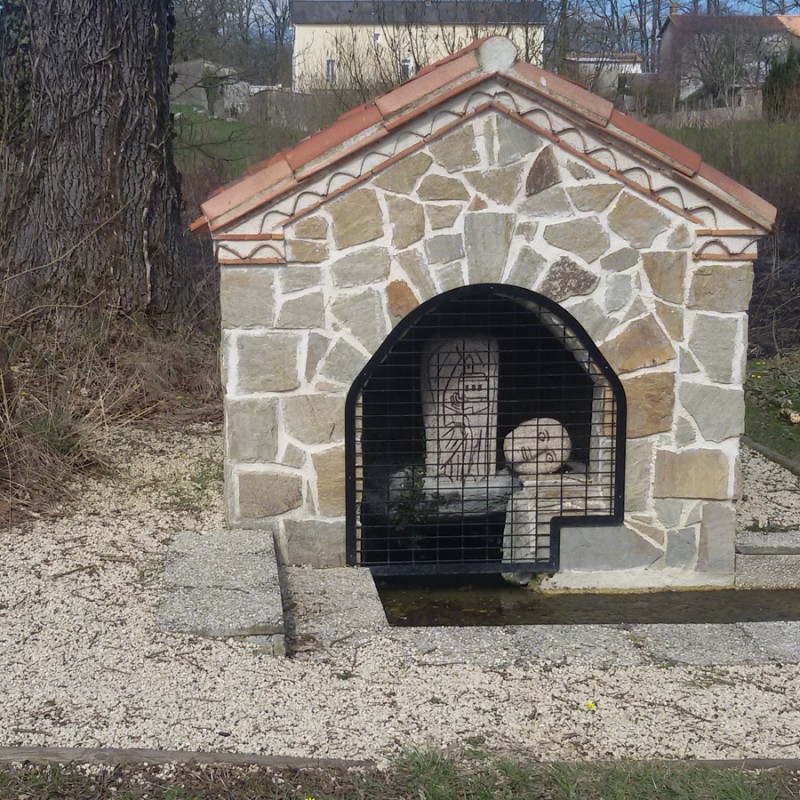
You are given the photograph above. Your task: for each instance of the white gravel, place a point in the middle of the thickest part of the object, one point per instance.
(771, 495)
(82, 663)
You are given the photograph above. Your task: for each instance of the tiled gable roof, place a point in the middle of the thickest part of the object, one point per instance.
(492, 59)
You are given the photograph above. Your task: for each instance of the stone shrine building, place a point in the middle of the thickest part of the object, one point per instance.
(488, 323)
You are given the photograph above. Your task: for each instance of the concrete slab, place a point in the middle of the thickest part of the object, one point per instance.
(778, 641)
(767, 571)
(698, 644)
(768, 543)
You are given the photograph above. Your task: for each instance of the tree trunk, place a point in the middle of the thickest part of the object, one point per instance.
(89, 195)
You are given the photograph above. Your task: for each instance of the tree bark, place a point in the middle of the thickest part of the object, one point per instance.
(89, 194)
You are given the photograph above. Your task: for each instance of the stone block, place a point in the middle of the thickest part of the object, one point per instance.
(299, 251)
(642, 343)
(527, 268)
(552, 202)
(297, 279)
(343, 363)
(716, 550)
(666, 272)
(669, 512)
(687, 364)
(444, 248)
(246, 296)
(699, 473)
(651, 403)
(637, 221)
(251, 429)
(314, 542)
(594, 320)
(400, 300)
(313, 227)
(619, 292)
(314, 418)
(500, 184)
(638, 473)
(620, 260)
(412, 263)
(450, 276)
(487, 239)
(267, 362)
(718, 411)
(544, 172)
(579, 171)
(567, 279)
(362, 314)
(456, 151)
(440, 187)
(306, 311)
(356, 218)
(593, 197)
(441, 216)
(685, 432)
(293, 457)
(720, 287)
(713, 343)
(268, 493)
(329, 469)
(402, 177)
(514, 142)
(318, 345)
(606, 547)
(369, 265)
(527, 229)
(407, 220)
(680, 239)
(681, 548)
(671, 318)
(583, 237)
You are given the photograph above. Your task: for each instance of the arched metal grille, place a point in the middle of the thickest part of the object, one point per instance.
(486, 421)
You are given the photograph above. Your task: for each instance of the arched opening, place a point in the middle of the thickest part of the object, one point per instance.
(486, 420)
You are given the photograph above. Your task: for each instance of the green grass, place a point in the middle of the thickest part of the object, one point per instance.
(417, 776)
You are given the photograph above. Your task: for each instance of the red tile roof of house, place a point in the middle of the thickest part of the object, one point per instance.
(481, 61)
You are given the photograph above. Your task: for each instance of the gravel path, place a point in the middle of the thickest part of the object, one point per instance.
(82, 662)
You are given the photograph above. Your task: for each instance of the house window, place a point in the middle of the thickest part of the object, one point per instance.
(376, 37)
(405, 69)
(330, 71)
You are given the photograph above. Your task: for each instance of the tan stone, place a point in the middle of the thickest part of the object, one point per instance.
(641, 344)
(306, 311)
(696, 473)
(720, 287)
(583, 237)
(636, 220)
(268, 362)
(651, 403)
(666, 272)
(638, 473)
(295, 279)
(418, 274)
(442, 216)
(579, 171)
(672, 319)
(526, 229)
(293, 456)
(713, 344)
(329, 469)
(311, 228)
(680, 238)
(356, 218)
(566, 279)
(620, 260)
(268, 493)
(400, 300)
(594, 197)
(369, 265)
(456, 151)
(439, 187)
(544, 173)
(314, 542)
(299, 251)
(402, 177)
(478, 204)
(251, 429)
(407, 219)
(362, 315)
(500, 184)
(552, 202)
(314, 418)
(246, 297)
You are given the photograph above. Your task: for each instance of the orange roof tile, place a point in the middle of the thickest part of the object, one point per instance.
(434, 85)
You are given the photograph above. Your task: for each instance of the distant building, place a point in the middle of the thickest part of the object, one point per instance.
(608, 74)
(214, 89)
(341, 43)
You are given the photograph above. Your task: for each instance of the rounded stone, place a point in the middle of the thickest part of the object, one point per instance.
(537, 446)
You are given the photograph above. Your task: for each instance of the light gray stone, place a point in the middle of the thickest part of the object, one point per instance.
(363, 315)
(544, 173)
(594, 197)
(456, 151)
(330, 481)
(718, 412)
(318, 345)
(680, 239)
(441, 216)
(268, 362)
(637, 221)
(268, 493)
(583, 237)
(606, 547)
(450, 276)
(566, 279)
(638, 474)
(771, 572)
(293, 457)
(440, 187)
(407, 220)
(419, 275)
(402, 177)
(246, 296)
(296, 279)
(343, 363)
(713, 344)
(552, 202)
(685, 432)
(369, 265)
(593, 319)
(500, 184)
(620, 260)
(314, 542)
(526, 229)
(666, 272)
(721, 287)
(251, 429)
(527, 268)
(579, 171)
(444, 248)
(688, 365)
(681, 547)
(515, 142)
(619, 292)
(716, 548)
(299, 251)
(669, 512)
(314, 418)
(356, 217)
(487, 239)
(305, 311)
(312, 227)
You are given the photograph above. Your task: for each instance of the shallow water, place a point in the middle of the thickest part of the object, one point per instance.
(490, 601)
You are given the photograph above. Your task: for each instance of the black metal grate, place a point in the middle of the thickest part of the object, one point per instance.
(486, 421)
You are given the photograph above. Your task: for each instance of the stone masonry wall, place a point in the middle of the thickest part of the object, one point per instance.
(491, 200)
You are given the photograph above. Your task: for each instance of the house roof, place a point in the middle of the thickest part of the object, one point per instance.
(417, 12)
(746, 25)
(486, 60)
